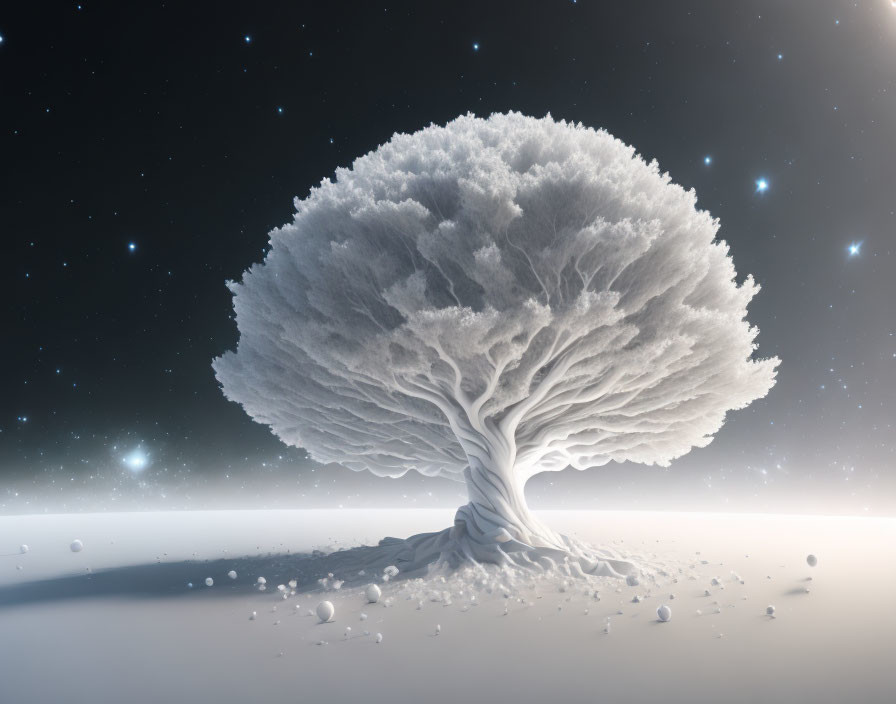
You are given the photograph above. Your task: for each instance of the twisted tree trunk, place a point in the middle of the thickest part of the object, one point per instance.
(497, 527)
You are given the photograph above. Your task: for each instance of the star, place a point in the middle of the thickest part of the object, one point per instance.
(136, 460)
(280, 110)
(475, 46)
(707, 160)
(780, 56)
(854, 249)
(132, 247)
(248, 39)
(761, 185)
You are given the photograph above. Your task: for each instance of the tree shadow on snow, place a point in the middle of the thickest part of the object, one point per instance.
(171, 579)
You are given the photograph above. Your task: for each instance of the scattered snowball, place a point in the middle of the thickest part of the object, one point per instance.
(770, 610)
(209, 582)
(189, 585)
(379, 637)
(664, 613)
(325, 611)
(363, 616)
(632, 581)
(636, 599)
(23, 548)
(232, 574)
(438, 628)
(252, 616)
(373, 593)
(261, 580)
(811, 560)
(76, 546)
(699, 612)
(391, 571)
(348, 632)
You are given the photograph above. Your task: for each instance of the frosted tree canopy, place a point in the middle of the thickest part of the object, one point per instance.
(511, 293)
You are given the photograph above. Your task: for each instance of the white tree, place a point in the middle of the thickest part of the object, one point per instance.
(488, 300)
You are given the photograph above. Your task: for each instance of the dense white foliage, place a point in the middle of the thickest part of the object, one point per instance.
(510, 295)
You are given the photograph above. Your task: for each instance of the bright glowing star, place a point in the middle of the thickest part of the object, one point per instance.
(248, 39)
(761, 185)
(780, 56)
(137, 460)
(707, 160)
(1, 38)
(854, 249)
(475, 46)
(280, 110)
(132, 247)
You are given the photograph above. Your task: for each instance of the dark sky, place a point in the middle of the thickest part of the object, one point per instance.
(186, 130)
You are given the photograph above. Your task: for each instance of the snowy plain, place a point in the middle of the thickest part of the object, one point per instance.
(117, 621)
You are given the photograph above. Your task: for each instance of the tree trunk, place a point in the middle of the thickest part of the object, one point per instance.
(498, 512)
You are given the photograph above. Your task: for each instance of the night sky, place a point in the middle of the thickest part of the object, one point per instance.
(149, 148)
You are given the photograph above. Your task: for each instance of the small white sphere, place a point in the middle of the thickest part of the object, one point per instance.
(632, 581)
(232, 574)
(252, 616)
(363, 616)
(261, 580)
(23, 548)
(76, 546)
(373, 593)
(325, 611)
(811, 560)
(209, 581)
(770, 610)
(664, 613)
(379, 637)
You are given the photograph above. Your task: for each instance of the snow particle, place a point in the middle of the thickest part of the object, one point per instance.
(811, 560)
(23, 548)
(252, 616)
(770, 610)
(209, 582)
(379, 637)
(373, 593)
(76, 546)
(664, 613)
(325, 611)
(232, 574)
(632, 581)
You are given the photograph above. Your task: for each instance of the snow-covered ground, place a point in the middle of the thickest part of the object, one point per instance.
(116, 622)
